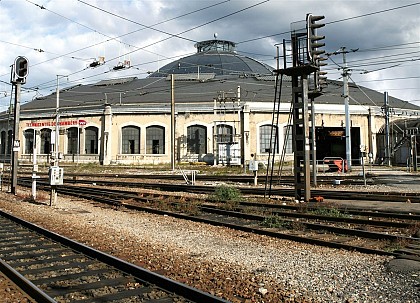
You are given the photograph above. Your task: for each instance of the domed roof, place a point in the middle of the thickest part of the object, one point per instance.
(216, 57)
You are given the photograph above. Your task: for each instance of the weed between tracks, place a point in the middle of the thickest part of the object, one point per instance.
(278, 222)
(414, 230)
(330, 212)
(190, 208)
(275, 222)
(228, 195)
(394, 245)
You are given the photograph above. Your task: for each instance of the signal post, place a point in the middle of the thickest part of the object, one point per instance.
(18, 77)
(307, 82)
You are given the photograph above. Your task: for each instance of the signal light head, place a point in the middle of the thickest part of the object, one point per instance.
(20, 69)
(313, 39)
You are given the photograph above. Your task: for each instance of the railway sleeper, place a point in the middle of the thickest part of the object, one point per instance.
(58, 290)
(408, 251)
(408, 257)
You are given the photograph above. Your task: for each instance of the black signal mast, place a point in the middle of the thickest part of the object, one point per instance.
(307, 83)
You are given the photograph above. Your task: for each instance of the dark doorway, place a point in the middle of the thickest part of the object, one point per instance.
(331, 142)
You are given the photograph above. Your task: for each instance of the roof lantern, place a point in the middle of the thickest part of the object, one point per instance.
(215, 46)
(213, 58)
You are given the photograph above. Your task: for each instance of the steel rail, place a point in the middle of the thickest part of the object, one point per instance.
(264, 232)
(100, 196)
(288, 192)
(132, 195)
(144, 275)
(27, 286)
(203, 177)
(349, 210)
(335, 219)
(298, 209)
(315, 226)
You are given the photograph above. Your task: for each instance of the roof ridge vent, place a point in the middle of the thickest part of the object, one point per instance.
(114, 81)
(192, 77)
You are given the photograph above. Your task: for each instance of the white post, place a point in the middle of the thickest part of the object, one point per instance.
(347, 111)
(387, 141)
(78, 141)
(35, 169)
(173, 151)
(53, 195)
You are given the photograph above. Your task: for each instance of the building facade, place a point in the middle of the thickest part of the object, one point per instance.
(215, 106)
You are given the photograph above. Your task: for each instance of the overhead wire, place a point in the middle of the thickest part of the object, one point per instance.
(350, 18)
(198, 26)
(335, 21)
(110, 37)
(193, 28)
(137, 23)
(149, 26)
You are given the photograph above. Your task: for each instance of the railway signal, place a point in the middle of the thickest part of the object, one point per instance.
(313, 49)
(313, 39)
(19, 73)
(20, 70)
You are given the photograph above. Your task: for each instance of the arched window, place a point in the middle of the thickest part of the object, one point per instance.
(73, 140)
(3, 142)
(197, 139)
(155, 140)
(91, 140)
(9, 142)
(45, 141)
(131, 140)
(29, 140)
(224, 133)
(266, 131)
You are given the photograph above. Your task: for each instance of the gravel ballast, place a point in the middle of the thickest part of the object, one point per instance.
(235, 265)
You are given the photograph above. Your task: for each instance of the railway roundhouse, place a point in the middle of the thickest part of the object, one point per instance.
(220, 105)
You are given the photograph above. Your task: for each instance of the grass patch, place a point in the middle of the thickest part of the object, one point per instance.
(225, 193)
(392, 246)
(275, 222)
(191, 208)
(329, 212)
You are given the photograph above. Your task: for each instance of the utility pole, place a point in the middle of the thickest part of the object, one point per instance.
(346, 108)
(56, 173)
(387, 160)
(413, 142)
(172, 123)
(53, 195)
(346, 95)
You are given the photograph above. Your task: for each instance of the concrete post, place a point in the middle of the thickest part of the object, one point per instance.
(106, 141)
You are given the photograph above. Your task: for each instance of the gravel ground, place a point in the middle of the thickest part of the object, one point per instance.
(10, 293)
(237, 266)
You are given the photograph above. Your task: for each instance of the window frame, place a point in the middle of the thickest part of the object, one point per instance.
(155, 140)
(265, 132)
(197, 139)
(130, 140)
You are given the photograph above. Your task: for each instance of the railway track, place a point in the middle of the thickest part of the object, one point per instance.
(52, 268)
(382, 233)
(286, 192)
(245, 179)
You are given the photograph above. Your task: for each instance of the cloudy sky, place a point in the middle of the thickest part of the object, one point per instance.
(63, 37)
